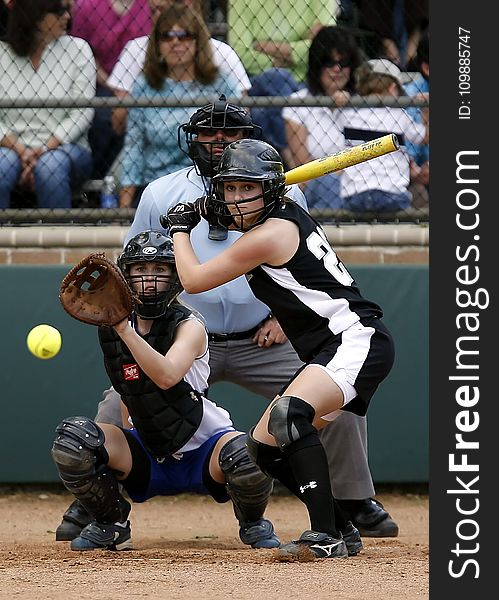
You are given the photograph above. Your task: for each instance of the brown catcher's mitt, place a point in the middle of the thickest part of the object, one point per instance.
(95, 292)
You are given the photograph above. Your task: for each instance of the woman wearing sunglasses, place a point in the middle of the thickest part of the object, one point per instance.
(312, 132)
(178, 66)
(44, 150)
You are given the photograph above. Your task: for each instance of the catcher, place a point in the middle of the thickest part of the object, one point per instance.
(173, 438)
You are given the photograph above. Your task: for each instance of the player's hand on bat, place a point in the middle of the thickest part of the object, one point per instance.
(215, 212)
(269, 333)
(181, 218)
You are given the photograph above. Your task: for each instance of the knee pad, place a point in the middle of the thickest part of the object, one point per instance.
(81, 459)
(78, 448)
(290, 419)
(247, 486)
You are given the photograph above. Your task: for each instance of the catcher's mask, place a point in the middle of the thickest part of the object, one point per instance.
(151, 247)
(211, 118)
(248, 160)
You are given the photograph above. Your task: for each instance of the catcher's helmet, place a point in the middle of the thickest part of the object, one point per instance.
(151, 246)
(219, 115)
(248, 160)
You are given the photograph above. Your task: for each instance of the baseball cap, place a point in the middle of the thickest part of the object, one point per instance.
(383, 66)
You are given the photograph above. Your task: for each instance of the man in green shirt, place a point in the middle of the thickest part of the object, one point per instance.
(272, 39)
(268, 34)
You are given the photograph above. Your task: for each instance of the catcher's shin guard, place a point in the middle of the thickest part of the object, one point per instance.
(248, 487)
(271, 461)
(263, 455)
(81, 459)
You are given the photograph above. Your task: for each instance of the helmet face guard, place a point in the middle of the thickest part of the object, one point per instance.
(248, 160)
(218, 116)
(156, 292)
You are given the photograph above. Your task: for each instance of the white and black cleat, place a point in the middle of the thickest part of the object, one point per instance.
(312, 545)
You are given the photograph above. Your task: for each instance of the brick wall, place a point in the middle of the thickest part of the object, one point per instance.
(356, 244)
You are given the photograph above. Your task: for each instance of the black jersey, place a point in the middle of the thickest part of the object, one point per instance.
(165, 419)
(313, 296)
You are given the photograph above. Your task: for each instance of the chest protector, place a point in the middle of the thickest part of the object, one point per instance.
(165, 419)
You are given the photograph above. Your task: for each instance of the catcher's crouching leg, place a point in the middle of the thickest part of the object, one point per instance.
(81, 459)
(249, 490)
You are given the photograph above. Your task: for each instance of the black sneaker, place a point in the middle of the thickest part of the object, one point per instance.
(313, 544)
(73, 521)
(259, 534)
(351, 537)
(370, 518)
(110, 536)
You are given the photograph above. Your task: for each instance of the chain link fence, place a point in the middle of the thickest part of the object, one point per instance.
(93, 93)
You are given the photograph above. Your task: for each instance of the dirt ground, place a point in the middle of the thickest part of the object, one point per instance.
(187, 547)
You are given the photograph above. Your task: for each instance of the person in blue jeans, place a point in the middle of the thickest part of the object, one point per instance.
(44, 150)
(55, 174)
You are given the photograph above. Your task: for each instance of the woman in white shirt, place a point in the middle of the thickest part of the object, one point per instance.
(312, 131)
(44, 149)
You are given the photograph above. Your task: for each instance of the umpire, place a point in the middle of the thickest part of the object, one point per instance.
(246, 343)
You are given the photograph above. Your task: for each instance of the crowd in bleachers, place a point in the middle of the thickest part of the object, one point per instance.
(184, 49)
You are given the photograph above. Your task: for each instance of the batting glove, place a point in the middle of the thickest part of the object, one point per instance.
(214, 211)
(181, 218)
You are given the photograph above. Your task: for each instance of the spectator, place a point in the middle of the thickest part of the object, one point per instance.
(382, 187)
(44, 149)
(272, 39)
(276, 34)
(107, 25)
(397, 26)
(312, 132)
(132, 58)
(179, 65)
(420, 153)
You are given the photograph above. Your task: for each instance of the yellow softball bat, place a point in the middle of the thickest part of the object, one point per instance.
(343, 159)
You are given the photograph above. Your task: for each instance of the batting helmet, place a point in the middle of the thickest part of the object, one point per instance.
(248, 160)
